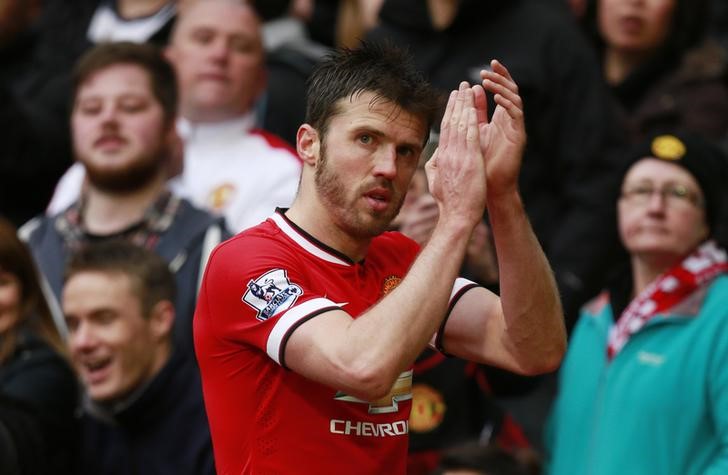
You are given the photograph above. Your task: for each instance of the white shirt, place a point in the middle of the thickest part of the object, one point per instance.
(229, 169)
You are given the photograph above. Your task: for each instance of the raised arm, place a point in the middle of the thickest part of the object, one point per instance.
(364, 356)
(523, 330)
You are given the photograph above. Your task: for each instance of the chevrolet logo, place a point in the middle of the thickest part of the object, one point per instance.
(401, 391)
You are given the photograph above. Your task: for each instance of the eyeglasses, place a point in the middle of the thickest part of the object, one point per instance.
(672, 194)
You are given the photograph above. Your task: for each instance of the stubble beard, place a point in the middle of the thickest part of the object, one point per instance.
(131, 177)
(333, 194)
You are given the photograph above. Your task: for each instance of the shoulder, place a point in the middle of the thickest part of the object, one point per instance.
(275, 146)
(31, 231)
(263, 242)
(597, 305)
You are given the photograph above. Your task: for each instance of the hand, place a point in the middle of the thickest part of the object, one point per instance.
(456, 171)
(503, 138)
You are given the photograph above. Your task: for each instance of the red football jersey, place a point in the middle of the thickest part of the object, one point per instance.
(265, 419)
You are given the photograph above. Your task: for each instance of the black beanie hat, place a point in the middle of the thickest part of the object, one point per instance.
(707, 163)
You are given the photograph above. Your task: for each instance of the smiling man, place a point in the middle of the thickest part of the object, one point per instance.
(143, 411)
(309, 323)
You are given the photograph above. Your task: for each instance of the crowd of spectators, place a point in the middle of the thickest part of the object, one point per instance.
(139, 134)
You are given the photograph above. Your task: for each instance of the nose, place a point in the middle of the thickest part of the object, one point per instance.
(657, 201)
(109, 116)
(385, 164)
(219, 50)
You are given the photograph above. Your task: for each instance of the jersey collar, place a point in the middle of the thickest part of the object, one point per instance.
(309, 243)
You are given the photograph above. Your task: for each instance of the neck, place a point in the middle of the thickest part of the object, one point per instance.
(108, 213)
(620, 64)
(645, 269)
(322, 226)
(139, 8)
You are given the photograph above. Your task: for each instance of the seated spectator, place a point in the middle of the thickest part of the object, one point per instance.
(665, 75)
(229, 166)
(143, 411)
(643, 385)
(38, 390)
(123, 133)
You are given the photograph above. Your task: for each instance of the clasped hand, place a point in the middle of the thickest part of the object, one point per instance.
(478, 159)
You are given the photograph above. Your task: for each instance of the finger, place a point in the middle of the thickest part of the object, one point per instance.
(500, 74)
(456, 121)
(445, 123)
(513, 110)
(481, 104)
(473, 135)
(503, 90)
(499, 68)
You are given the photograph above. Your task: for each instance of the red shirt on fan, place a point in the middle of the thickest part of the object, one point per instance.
(258, 288)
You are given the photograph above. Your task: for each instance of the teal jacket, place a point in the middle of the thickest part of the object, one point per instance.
(660, 407)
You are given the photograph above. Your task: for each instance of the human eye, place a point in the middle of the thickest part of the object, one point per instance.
(679, 192)
(72, 324)
(89, 107)
(133, 104)
(241, 44)
(639, 191)
(202, 36)
(406, 151)
(365, 139)
(104, 317)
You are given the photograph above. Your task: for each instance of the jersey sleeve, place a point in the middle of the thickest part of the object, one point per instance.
(459, 288)
(255, 293)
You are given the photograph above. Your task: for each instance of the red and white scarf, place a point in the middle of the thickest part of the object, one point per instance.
(672, 287)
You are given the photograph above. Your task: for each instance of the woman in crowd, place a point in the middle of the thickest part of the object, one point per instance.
(644, 385)
(38, 390)
(665, 75)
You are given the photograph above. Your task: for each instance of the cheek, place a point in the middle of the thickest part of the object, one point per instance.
(148, 132)
(82, 131)
(606, 16)
(660, 17)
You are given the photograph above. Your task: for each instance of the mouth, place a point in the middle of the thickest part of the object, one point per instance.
(109, 142)
(631, 24)
(379, 199)
(214, 77)
(94, 371)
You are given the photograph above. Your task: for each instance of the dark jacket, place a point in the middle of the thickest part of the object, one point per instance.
(163, 431)
(38, 399)
(182, 245)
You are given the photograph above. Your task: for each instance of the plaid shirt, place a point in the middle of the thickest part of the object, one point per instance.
(145, 233)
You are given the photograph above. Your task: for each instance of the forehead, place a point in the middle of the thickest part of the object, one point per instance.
(121, 78)
(89, 291)
(656, 170)
(367, 110)
(226, 16)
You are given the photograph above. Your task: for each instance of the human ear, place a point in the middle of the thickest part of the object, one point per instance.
(161, 319)
(308, 144)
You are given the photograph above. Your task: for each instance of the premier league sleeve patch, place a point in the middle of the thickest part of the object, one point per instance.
(271, 293)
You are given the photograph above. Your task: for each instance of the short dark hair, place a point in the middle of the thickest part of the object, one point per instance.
(382, 68)
(151, 279)
(147, 56)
